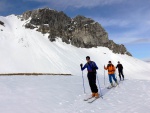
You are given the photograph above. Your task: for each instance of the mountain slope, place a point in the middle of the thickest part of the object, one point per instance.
(25, 50)
(79, 31)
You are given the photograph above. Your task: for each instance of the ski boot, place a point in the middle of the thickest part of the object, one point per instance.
(96, 95)
(117, 83)
(93, 94)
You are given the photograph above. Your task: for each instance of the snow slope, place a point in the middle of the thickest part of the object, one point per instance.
(61, 94)
(25, 50)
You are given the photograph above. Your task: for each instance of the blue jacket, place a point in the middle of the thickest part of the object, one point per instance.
(90, 66)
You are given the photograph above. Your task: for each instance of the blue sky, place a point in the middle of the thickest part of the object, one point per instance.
(126, 21)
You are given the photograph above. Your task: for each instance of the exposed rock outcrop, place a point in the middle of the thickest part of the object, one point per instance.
(2, 23)
(79, 31)
(29, 25)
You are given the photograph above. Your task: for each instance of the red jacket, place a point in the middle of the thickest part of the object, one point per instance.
(111, 68)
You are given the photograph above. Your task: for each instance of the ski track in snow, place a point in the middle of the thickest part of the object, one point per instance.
(59, 94)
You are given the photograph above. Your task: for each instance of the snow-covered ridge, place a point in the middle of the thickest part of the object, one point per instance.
(25, 50)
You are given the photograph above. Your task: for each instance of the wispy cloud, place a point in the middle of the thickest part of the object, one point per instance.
(130, 28)
(147, 59)
(148, 22)
(132, 40)
(107, 22)
(136, 36)
(142, 40)
(127, 31)
(79, 3)
(4, 5)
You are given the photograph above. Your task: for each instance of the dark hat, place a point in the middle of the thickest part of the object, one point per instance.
(109, 62)
(118, 62)
(87, 57)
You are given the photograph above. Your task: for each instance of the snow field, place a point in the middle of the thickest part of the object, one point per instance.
(28, 51)
(60, 94)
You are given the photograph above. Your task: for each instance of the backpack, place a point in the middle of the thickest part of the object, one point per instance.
(110, 67)
(92, 66)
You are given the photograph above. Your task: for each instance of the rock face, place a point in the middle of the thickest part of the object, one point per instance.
(2, 23)
(79, 31)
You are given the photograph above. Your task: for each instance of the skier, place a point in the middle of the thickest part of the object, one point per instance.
(91, 68)
(120, 70)
(111, 73)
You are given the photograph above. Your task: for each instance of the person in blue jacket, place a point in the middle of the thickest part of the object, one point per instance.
(91, 68)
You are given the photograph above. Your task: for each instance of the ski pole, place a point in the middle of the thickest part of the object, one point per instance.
(99, 87)
(116, 76)
(104, 77)
(83, 82)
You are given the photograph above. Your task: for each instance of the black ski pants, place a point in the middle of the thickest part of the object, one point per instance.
(121, 73)
(92, 81)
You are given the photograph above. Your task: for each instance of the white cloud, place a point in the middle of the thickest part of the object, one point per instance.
(136, 36)
(133, 28)
(79, 3)
(127, 31)
(132, 40)
(148, 22)
(142, 40)
(146, 59)
(137, 18)
(113, 22)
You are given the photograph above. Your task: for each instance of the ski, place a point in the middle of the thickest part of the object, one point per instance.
(88, 98)
(110, 87)
(92, 100)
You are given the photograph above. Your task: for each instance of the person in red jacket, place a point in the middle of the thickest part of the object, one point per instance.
(111, 73)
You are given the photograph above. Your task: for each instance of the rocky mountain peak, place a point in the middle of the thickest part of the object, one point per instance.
(79, 31)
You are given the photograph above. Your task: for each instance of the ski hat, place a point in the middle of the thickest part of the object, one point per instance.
(87, 57)
(109, 62)
(118, 62)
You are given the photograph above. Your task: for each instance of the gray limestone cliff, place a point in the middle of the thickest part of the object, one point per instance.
(79, 31)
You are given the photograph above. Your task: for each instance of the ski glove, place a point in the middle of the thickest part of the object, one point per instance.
(81, 65)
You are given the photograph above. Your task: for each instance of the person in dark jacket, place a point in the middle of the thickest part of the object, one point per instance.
(91, 68)
(120, 70)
